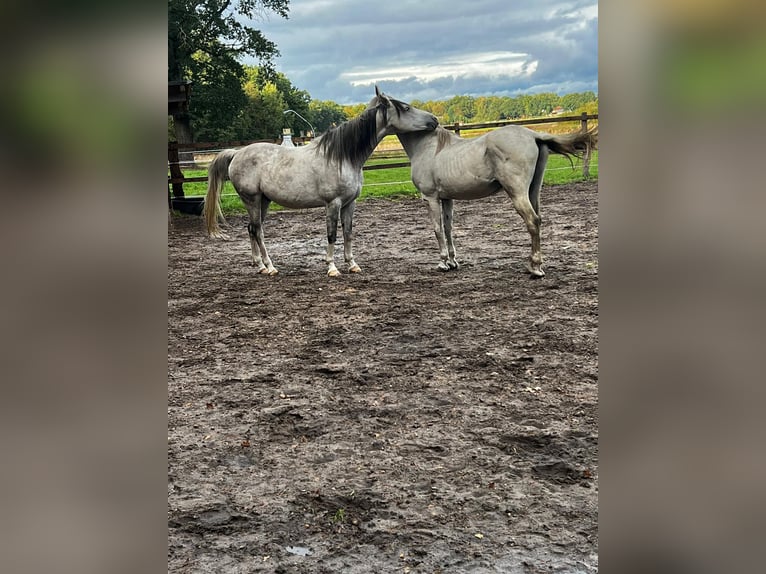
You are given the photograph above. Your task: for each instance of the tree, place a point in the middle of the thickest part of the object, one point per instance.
(574, 101)
(544, 103)
(217, 99)
(325, 115)
(354, 110)
(257, 78)
(205, 40)
(439, 109)
(262, 116)
(588, 108)
(461, 109)
(485, 109)
(292, 99)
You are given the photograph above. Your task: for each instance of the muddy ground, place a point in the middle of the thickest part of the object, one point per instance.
(398, 420)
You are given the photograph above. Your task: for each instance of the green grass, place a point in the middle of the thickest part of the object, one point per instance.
(559, 171)
(395, 182)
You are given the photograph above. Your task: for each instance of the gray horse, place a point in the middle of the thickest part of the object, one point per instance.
(326, 173)
(446, 167)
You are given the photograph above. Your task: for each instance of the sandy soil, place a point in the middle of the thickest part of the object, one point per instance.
(398, 420)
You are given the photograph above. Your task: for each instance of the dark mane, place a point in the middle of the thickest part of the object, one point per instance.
(352, 141)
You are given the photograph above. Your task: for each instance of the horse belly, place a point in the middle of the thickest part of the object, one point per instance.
(292, 196)
(466, 186)
(292, 186)
(462, 173)
(307, 191)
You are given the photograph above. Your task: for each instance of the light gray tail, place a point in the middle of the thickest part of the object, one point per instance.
(217, 173)
(569, 145)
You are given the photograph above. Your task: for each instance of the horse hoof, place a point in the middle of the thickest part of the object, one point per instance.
(535, 269)
(333, 273)
(263, 270)
(453, 264)
(355, 269)
(442, 266)
(273, 271)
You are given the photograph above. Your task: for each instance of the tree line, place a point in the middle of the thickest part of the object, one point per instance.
(230, 101)
(261, 112)
(470, 109)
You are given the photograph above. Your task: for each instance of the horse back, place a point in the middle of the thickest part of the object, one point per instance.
(513, 144)
(292, 177)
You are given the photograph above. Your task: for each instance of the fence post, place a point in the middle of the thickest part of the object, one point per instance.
(586, 156)
(175, 169)
(457, 128)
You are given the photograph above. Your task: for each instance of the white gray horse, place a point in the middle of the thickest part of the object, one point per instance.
(446, 167)
(326, 173)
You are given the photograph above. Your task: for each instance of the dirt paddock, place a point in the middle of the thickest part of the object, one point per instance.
(397, 420)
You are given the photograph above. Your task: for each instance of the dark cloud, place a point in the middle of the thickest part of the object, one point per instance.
(337, 49)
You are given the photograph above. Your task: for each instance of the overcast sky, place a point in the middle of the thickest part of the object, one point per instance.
(435, 49)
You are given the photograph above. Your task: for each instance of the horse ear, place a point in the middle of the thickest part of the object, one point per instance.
(382, 98)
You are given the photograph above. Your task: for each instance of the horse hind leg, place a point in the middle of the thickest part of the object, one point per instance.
(532, 221)
(521, 202)
(347, 221)
(447, 208)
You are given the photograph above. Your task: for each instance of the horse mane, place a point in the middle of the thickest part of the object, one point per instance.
(444, 138)
(352, 141)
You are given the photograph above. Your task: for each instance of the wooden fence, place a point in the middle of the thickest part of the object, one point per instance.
(176, 151)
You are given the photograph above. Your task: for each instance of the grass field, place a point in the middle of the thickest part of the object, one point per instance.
(395, 182)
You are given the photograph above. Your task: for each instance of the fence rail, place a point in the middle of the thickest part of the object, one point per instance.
(176, 179)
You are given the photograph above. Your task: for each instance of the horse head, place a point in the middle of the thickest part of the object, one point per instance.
(397, 117)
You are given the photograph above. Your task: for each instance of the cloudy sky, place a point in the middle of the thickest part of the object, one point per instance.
(435, 49)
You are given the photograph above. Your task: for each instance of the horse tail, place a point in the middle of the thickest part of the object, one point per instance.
(217, 173)
(537, 178)
(569, 145)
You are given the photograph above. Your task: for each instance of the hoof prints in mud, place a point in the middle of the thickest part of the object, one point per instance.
(396, 419)
(562, 472)
(560, 454)
(221, 519)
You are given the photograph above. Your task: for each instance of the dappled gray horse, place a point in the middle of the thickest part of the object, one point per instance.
(326, 173)
(446, 167)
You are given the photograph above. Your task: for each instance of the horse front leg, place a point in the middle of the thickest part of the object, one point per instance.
(333, 214)
(261, 258)
(447, 205)
(347, 221)
(437, 221)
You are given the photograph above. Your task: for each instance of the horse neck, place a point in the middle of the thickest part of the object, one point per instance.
(353, 141)
(416, 144)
